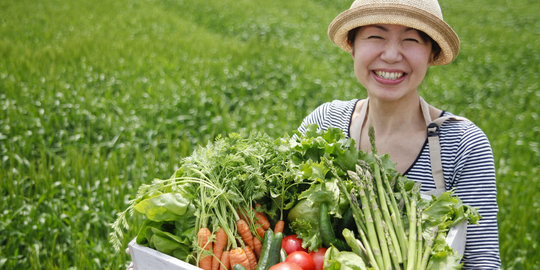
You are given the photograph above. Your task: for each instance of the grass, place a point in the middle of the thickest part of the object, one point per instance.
(99, 97)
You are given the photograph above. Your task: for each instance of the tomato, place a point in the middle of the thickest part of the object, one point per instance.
(318, 257)
(285, 266)
(292, 243)
(302, 259)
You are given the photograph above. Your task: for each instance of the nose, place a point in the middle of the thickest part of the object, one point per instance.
(391, 52)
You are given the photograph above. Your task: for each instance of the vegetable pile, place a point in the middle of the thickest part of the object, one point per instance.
(249, 201)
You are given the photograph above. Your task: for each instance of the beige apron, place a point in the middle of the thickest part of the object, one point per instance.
(457, 235)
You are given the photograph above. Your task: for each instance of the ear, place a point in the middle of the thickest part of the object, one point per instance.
(431, 59)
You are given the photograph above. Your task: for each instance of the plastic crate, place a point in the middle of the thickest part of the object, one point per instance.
(145, 258)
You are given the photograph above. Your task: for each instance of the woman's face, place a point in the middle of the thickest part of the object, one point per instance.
(390, 61)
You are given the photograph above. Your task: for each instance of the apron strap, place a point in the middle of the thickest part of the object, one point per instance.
(433, 128)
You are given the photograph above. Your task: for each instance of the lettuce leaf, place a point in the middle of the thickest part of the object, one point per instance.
(163, 207)
(344, 260)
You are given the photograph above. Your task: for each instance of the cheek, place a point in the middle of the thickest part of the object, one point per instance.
(363, 55)
(421, 54)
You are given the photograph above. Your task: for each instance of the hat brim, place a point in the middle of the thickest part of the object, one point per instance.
(408, 16)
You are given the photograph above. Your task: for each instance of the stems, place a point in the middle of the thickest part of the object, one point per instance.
(393, 254)
(383, 194)
(419, 245)
(371, 233)
(427, 247)
(359, 217)
(411, 254)
(377, 217)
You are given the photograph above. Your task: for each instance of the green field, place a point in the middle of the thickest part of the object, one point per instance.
(98, 97)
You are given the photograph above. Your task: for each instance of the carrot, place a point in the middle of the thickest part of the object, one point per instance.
(238, 256)
(258, 246)
(260, 231)
(279, 226)
(219, 245)
(251, 258)
(225, 263)
(205, 259)
(245, 233)
(242, 214)
(263, 220)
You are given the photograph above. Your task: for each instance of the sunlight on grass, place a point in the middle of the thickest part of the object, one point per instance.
(97, 98)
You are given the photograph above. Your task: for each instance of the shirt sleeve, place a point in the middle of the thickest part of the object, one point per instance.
(474, 182)
(317, 116)
(336, 114)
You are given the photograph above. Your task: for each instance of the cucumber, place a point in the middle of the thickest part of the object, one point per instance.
(265, 251)
(275, 250)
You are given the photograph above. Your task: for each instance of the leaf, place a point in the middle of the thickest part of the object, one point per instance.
(169, 243)
(444, 262)
(344, 260)
(314, 170)
(164, 207)
(304, 221)
(440, 209)
(447, 211)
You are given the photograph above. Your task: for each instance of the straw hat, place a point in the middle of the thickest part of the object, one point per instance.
(424, 15)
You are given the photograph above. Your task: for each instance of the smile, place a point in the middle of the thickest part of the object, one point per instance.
(388, 75)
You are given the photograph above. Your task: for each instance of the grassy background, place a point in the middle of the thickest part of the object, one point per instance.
(98, 97)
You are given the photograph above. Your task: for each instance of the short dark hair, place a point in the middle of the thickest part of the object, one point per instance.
(435, 48)
(351, 36)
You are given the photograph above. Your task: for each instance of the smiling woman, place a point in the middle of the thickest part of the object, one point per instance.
(392, 44)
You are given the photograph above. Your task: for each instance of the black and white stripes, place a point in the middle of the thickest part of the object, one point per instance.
(468, 168)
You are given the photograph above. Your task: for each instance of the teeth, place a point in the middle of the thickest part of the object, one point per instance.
(389, 75)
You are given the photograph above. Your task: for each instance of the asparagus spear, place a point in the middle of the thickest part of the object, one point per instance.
(371, 233)
(377, 217)
(411, 254)
(383, 194)
(419, 244)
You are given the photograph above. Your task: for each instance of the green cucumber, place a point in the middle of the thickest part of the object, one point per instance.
(265, 250)
(275, 250)
(327, 231)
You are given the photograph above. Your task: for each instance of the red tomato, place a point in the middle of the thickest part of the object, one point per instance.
(285, 266)
(292, 243)
(318, 257)
(302, 259)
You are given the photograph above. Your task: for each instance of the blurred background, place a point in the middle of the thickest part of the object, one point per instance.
(98, 97)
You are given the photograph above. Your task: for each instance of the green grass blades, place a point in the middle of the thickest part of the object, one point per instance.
(98, 97)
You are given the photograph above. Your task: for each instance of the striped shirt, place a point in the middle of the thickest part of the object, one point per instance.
(468, 168)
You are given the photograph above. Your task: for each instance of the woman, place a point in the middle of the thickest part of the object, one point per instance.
(392, 44)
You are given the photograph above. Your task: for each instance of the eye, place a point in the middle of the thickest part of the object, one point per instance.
(412, 39)
(374, 37)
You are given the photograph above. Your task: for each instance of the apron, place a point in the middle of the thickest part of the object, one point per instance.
(457, 235)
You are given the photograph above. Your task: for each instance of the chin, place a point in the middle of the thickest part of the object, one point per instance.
(387, 96)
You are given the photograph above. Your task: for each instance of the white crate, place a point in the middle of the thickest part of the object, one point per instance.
(457, 236)
(145, 258)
